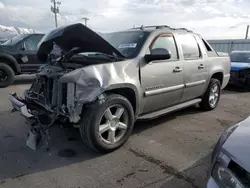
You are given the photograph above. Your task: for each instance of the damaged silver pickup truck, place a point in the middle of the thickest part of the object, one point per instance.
(102, 85)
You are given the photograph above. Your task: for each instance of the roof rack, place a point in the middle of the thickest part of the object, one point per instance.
(160, 27)
(152, 26)
(184, 29)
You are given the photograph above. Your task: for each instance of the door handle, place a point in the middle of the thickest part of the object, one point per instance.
(177, 69)
(201, 66)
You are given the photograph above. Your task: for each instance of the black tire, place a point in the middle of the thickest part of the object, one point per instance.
(89, 126)
(7, 71)
(205, 104)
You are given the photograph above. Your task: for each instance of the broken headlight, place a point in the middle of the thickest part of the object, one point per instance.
(225, 178)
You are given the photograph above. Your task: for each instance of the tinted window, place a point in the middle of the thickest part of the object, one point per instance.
(14, 40)
(166, 42)
(240, 57)
(207, 46)
(128, 43)
(32, 42)
(189, 46)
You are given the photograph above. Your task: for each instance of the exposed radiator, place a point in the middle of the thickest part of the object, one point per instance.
(49, 91)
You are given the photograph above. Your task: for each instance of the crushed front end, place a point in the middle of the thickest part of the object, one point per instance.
(47, 101)
(64, 86)
(59, 94)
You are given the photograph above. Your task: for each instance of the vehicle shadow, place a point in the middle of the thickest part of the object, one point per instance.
(17, 160)
(236, 88)
(141, 126)
(66, 146)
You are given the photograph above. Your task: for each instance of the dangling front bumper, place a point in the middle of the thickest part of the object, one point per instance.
(18, 104)
(34, 134)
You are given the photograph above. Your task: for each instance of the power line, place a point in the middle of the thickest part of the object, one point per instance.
(55, 9)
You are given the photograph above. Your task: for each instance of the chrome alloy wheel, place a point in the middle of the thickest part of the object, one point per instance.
(214, 95)
(113, 124)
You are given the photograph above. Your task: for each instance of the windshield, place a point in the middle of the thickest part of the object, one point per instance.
(128, 43)
(240, 57)
(14, 40)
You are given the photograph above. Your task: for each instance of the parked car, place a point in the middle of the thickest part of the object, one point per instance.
(230, 158)
(2, 41)
(142, 73)
(18, 56)
(240, 70)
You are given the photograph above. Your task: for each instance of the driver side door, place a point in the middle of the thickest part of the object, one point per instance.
(162, 80)
(28, 59)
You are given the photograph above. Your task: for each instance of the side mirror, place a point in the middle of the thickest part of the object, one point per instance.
(158, 54)
(22, 47)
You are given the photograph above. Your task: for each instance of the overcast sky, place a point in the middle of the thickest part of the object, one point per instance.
(211, 18)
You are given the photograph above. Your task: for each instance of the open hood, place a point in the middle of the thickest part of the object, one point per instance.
(74, 36)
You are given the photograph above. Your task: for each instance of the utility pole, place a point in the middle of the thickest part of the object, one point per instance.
(85, 20)
(247, 32)
(55, 9)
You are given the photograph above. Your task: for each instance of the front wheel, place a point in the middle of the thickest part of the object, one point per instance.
(107, 126)
(212, 95)
(7, 75)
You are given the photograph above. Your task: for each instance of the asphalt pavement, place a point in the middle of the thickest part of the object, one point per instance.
(172, 151)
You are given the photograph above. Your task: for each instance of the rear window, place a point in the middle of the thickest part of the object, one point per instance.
(207, 46)
(240, 57)
(189, 46)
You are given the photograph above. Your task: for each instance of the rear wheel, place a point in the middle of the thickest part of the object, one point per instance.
(7, 75)
(107, 126)
(212, 95)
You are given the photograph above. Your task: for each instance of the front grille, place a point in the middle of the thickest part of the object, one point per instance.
(240, 173)
(41, 90)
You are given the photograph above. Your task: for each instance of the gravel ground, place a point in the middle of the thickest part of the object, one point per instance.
(172, 151)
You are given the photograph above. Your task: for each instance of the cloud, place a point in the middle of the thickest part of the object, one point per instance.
(211, 18)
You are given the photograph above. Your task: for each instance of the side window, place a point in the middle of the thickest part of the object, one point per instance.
(32, 42)
(165, 43)
(206, 45)
(189, 46)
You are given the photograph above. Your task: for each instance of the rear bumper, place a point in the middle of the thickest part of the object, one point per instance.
(18, 104)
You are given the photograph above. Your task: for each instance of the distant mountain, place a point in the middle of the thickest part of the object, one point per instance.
(8, 32)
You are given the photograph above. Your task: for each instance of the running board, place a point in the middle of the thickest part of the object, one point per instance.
(168, 110)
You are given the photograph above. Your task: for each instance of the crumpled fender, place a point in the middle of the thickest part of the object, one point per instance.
(91, 81)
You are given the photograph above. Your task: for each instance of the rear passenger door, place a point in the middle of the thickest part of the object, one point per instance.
(195, 68)
(162, 80)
